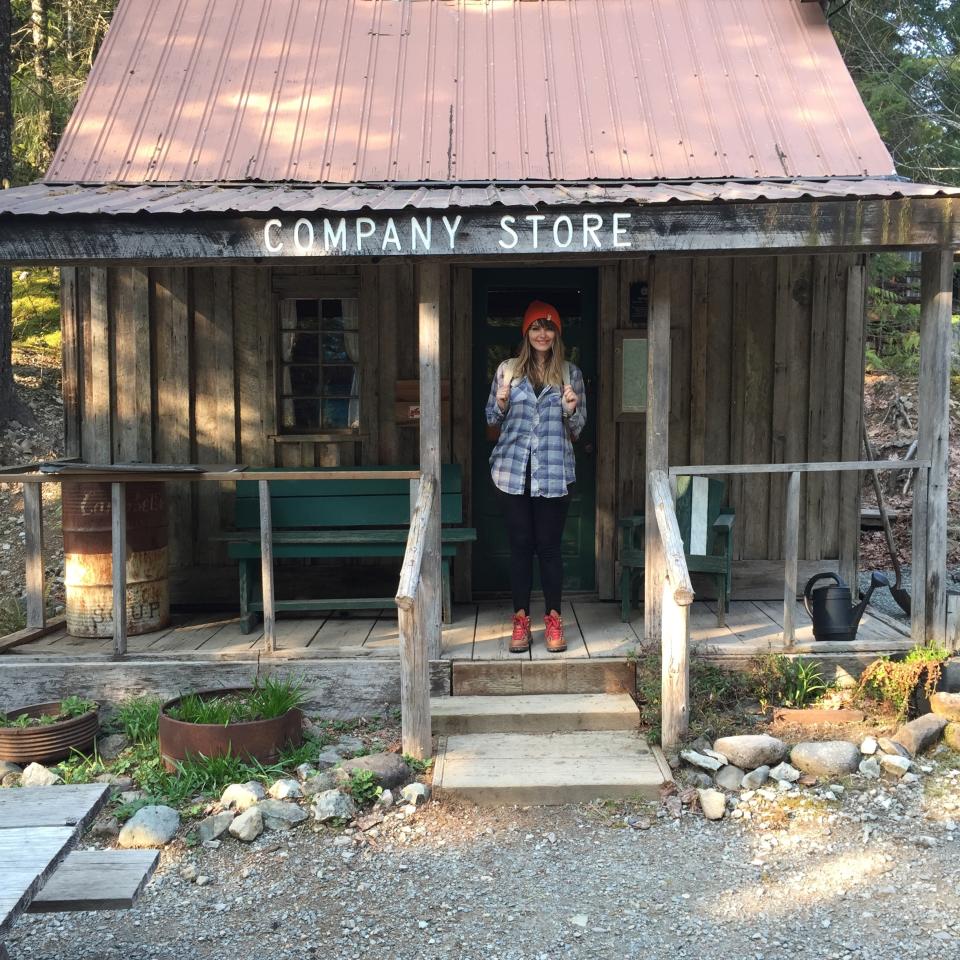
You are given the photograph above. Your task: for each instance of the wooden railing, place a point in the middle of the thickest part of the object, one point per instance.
(414, 609)
(675, 616)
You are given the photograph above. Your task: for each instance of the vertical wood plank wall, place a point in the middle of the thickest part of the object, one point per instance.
(176, 364)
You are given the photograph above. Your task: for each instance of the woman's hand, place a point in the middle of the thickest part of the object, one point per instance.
(503, 397)
(570, 399)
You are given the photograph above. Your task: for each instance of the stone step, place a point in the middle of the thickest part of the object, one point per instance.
(544, 713)
(511, 677)
(548, 769)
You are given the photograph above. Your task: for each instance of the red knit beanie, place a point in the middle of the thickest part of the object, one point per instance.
(538, 310)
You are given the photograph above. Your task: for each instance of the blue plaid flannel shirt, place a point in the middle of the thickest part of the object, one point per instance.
(533, 429)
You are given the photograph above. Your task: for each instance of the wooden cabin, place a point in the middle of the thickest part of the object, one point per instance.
(260, 222)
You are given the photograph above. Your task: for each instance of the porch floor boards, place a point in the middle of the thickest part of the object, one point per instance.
(481, 632)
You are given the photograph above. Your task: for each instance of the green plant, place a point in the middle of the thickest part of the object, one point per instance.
(268, 698)
(419, 767)
(13, 616)
(275, 696)
(69, 708)
(790, 682)
(138, 718)
(75, 707)
(897, 682)
(363, 787)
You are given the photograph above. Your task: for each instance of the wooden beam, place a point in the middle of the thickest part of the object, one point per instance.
(791, 550)
(933, 415)
(118, 520)
(29, 634)
(33, 531)
(605, 549)
(71, 370)
(266, 568)
(674, 560)
(675, 670)
(658, 440)
(713, 470)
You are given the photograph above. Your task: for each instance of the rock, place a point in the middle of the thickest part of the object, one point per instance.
(755, 778)
(715, 755)
(869, 768)
(713, 804)
(214, 827)
(829, 758)
(889, 746)
(638, 823)
(7, 767)
(951, 736)
(110, 747)
(385, 799)
(783, 772)
(869, 746)
(132, 796)
(333, 805)
(921, 734)
(750, 751)
(389, 769)
(248, 825)
(893, 765)
(306, 770)
(348, 746)
(416, 793)
(728, 777)
(37, 775)
(946, 705)
(203, 880)
(909, 778)
(328, 758)
(278, 815)
(698, 778)
(118, 783)
(371, 820)
(106, 829)
(242, 796)
(189, 872)
(320, 783)
(285, 789)
(10, 780)
(151, 826)
(701, 760)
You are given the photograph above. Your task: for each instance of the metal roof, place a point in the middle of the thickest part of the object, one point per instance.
(361, 91)
(110, 199)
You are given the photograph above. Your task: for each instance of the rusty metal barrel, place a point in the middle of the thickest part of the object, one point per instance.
(88, 561)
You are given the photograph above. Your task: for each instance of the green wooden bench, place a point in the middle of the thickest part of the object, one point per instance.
(706, 527)
(338, 518)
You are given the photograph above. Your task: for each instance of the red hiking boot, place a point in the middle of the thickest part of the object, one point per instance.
(520, 641)
(554, 633)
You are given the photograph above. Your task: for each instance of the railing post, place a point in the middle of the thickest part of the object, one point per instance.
(33, 529)
(675, 669)
(266, 568)
(415, 730)
(118, 514)
(791, 549)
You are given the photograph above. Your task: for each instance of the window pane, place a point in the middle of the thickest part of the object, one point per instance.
(304, 381)
(334, 347)
(299, 346)
(301, 414)
(336, 414)
(339, 381)
(308, 314)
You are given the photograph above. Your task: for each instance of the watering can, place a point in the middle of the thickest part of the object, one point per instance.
(834, 616)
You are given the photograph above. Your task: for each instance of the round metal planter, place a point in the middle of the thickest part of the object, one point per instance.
(55, 741)
(261, 740)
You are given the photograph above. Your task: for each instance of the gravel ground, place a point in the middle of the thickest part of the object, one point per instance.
(873, 874)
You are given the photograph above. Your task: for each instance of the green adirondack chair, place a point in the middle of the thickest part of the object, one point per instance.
(706, 527)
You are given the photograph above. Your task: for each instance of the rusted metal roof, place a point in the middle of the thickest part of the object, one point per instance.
(41, 199)
(457, 91)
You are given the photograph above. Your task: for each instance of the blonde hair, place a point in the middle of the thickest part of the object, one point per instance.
(527, 367)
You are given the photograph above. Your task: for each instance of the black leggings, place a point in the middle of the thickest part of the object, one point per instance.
(535, 524)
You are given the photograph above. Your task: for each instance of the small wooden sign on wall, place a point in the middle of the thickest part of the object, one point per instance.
(407, 402)
(630, 372)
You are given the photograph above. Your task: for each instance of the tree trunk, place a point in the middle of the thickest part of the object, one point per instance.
(41, 68)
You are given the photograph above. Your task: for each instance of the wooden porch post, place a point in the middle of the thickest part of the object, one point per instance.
(929, 594)
(658, 421)
(430, 447)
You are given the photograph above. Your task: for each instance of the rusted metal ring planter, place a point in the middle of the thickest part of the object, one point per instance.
(261, 740)
(55, 741)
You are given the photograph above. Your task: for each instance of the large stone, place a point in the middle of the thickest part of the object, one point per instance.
(285, 789)
(887, 745)
(755, 778)
(278, 815)
(329, 758)
(319, 783)
(713, 804)
(921, 734)
(333, 805)
(894, 766)
(389, 769)
(751, 750)
(869, 746)
(37, 775)
(701, 760)
(110, 747)
(151, 826)
(870, 768)
(784, 773)
(248, 825)
(242, 796)
(214, 827)
(946, 705)
(828, 758)
(729, 777)
(951, 736)
(306, 770)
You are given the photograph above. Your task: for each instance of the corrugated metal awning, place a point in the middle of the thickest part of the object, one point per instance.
(186, 198)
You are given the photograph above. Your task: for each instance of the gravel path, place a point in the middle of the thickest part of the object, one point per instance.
(873, 875)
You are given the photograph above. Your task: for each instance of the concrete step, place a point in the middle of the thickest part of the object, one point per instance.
(548, 769)
(510, 677)
(544, 713)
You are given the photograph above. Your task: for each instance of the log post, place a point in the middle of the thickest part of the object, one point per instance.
(118, 516)
(675, 669)
(429, 321)
(791, 549)
(33, 530)
(658, 421)
(266, 568)
(933, 415)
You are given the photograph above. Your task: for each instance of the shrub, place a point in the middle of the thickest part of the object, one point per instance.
(897, 682)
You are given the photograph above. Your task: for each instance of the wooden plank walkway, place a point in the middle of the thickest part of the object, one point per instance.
(479, 632)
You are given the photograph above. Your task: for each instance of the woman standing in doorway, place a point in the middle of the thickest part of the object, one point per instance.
(537, 401)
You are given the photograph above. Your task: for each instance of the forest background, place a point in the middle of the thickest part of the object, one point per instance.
(904, 56)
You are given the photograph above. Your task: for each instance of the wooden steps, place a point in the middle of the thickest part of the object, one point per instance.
(543, 749)
(97, 880)
(517, 676)
(545, 713)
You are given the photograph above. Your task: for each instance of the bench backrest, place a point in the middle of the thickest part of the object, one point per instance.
(330, 504)
(699, 503)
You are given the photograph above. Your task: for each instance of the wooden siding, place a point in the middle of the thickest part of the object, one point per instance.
(177, 364)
